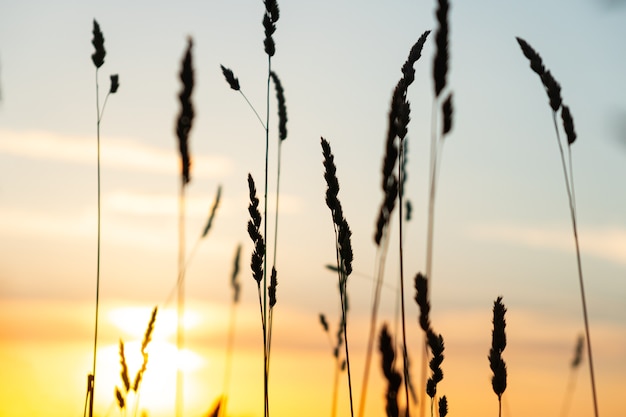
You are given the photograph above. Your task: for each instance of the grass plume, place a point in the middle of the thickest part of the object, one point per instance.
(553, 90)
(393, 377)
(391, 184)
(498, 344)
(343, 246)
(121, 395)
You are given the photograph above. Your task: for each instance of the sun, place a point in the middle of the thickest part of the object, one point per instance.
(157, 388)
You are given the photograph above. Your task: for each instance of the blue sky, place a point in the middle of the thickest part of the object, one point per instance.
(502, 225)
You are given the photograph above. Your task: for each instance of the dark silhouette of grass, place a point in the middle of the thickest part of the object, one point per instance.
(498, 344)
(574, 366)
(183, 128)
(392, 185)
(340, 364)
(98, 60)
(343, 247)
(553, 90)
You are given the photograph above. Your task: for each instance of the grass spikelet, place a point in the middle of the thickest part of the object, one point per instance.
(216, 204)
(435, 342)
(440, 64)
(421, 297)
(446, 110)
(343, 247)
(121, 402)
(552, 87)
(185, 118)
(408, 72)
(124, 371)
(147, 338)
(282, 108)
(115, 83)
(271, 290)
(536, 63)
(269, 24)
(254, 225)
(232, 81)
(393, 377)
(498, 344)
(568, 124)
(443, 406)
(98, 43)
(323, 322)
(234, 278)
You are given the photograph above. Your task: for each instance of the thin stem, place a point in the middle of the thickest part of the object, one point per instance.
(229, 356)
(95, 338)
(499, 406)
(345, 337)
(342, 295)
(280, 143)
(570, 194)
(430, 230)
(381, 258)
(569, 392)
(431, 198)
(265, 313)
(253, 109)
(180, 336)
(400, 201)
(333, 411)
(571, 177)
(181, 281)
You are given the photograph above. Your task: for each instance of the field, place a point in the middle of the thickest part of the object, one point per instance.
(501, 225)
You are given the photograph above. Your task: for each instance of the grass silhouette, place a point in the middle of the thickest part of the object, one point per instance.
(393, 183)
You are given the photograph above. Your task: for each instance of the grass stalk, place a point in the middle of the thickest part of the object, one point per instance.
(405, 366)
(98, 60)
(180, 332)
(343, 247)
(553, 90)
(183, 128)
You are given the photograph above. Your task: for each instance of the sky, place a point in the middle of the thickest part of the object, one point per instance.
(502, 225)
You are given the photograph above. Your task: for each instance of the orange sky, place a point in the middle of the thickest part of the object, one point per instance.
(45, 349)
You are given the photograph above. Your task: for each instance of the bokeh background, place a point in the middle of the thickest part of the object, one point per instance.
(502, 221)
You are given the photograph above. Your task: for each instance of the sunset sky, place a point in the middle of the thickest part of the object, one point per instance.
(502, 221)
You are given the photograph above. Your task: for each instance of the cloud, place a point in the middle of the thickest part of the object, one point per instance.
(608, 243)
(116, 153)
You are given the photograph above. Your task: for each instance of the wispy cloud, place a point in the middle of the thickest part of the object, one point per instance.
(117, 153)
(607, 242)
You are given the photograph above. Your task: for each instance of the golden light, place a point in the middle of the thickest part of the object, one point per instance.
(159, 380)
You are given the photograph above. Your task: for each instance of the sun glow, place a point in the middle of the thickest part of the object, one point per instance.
(164, 359)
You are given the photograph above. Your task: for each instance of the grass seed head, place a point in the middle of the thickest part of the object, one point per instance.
(282, 108)
(115, 83)
(185, 118)
(447, 110)
(568, 124)
(440, 64)
(98, 43)
(232, 81)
